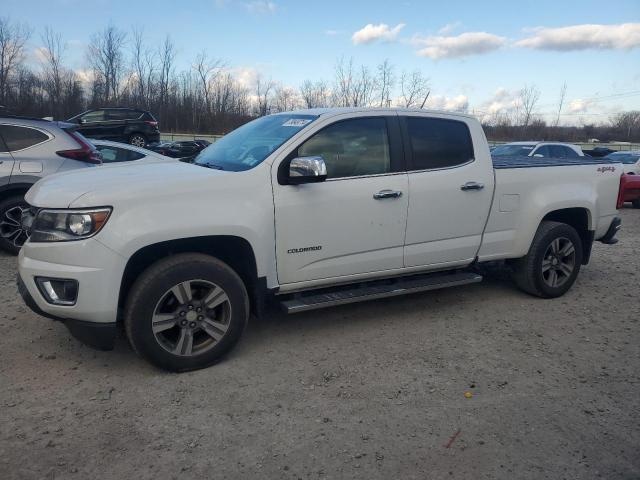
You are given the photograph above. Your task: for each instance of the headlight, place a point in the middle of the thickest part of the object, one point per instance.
(66, 225)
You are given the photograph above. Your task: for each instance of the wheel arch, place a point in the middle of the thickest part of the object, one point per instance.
(581, 220)
(232, 250)
(12, 189)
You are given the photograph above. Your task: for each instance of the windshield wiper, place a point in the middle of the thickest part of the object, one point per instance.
(210, 165)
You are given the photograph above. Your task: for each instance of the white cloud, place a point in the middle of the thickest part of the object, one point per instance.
(463, 45)
(459, 103)
(245, 76)
(370, 33)
(582, 37)
(260, 6)
(579, 105)
(449, 27)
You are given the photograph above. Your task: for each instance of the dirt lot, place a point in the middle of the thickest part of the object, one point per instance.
(363, 391)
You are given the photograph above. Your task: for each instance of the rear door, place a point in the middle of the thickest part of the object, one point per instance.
(20, 141)
(92, 124)
(450, 190)
(6, 161)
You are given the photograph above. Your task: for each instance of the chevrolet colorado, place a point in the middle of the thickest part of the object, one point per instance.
(311, 208)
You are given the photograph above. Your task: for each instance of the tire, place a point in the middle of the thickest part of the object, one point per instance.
(636, 203)
(12, 235)
(189, 333)
(138, 140)
(553, 262)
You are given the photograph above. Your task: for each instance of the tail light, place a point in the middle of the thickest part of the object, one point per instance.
(149, 122)
(86, 152)
(620, 202)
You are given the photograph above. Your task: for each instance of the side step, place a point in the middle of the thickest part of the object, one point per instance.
(376, 289)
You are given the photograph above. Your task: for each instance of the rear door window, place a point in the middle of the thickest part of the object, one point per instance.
(92, 117)
(544, 151)
(18, 138)
(438, 143)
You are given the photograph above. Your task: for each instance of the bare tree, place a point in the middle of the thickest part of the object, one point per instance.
(106, 56)
(143, 67)
(13, 38)
(385, 82)
(263, 95)
(414, 88)
(315, 94)
(563, 93)
(207, 71)
(52, 69)
(627, 123)
(529, 97)
(285, 99)
(167, 57)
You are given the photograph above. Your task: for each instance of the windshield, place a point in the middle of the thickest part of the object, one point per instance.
(249, 145)
(626, 158)
(510, 150)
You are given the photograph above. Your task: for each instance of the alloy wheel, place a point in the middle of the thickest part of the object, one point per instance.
(559, 262)
(191, 317)
(11, 228)
(138, 141)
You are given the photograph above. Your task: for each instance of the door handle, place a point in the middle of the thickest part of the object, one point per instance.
(387, 194)
(472, 186)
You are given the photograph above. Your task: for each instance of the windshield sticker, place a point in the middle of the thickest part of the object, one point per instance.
(296, 122)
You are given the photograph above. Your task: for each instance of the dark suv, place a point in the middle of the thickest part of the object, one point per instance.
(126, 125)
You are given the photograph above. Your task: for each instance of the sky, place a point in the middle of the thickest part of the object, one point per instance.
(477, 55)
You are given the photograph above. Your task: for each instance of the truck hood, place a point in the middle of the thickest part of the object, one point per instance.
(107, 185)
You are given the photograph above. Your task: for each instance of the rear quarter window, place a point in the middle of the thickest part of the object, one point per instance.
(438, 143)
(19, 138)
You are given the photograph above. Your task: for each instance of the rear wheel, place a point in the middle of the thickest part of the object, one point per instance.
(553, 262)
(636, 203)
(138, 140)
(12, 233)
(186, 312)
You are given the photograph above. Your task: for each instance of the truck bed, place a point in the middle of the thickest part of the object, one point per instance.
(530, 162)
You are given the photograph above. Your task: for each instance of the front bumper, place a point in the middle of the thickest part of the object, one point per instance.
(98, 271)
(97, 335)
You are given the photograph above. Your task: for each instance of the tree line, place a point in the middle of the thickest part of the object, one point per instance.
(123, 69)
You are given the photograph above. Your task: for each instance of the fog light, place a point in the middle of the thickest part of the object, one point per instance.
(58, 291)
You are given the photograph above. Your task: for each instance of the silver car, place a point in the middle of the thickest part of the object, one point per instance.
(30, 149)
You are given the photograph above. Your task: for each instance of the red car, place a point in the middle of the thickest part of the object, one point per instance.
(629, 190)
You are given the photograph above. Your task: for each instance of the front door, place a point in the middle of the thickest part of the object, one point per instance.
(451, 189)
(354, 222)
(6, 161)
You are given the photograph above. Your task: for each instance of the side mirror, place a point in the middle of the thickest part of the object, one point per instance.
(539, 155)
(307, 170)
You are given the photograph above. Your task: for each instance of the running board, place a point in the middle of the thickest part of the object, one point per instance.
(377, 289)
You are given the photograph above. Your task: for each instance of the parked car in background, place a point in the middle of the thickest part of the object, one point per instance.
(126, 125)
(599, 152)
(630, 160)
(179, 149)
(537, 149)
(630, 189)
(115, 152)
(32, 148)
(309, 209)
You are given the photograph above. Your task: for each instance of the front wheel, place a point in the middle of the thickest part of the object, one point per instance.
(12, 233)
(185, 312)
(553, 262)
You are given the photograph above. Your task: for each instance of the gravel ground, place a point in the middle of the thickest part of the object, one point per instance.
(369, 391)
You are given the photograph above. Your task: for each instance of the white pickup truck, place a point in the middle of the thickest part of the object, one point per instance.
(311, 209)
